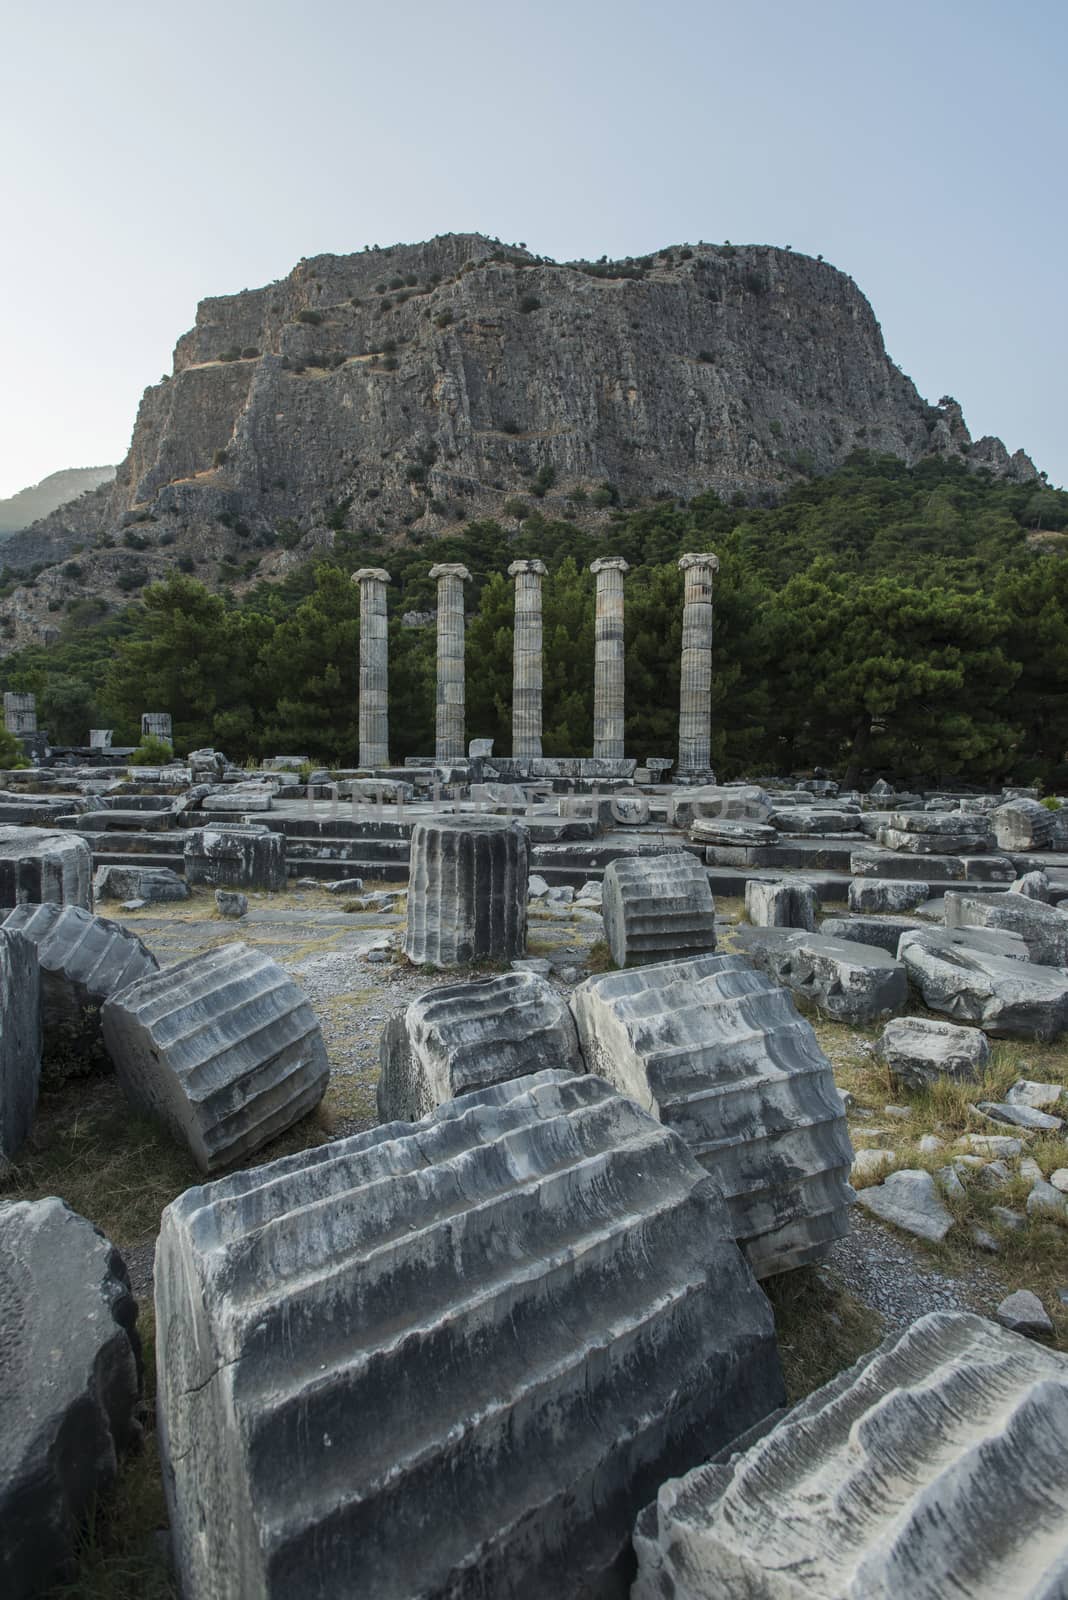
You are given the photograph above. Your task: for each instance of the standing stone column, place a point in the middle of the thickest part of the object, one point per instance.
(467, 891)
(695, 700)
(608, 658)
(374, 667)
(526, 658)
(157, 725)
(449, 735)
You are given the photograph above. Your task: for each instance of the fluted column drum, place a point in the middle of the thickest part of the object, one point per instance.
(449, 722)
(374, 667)
(526, 658)
(467, 891)
(695, 698)
(608, 660)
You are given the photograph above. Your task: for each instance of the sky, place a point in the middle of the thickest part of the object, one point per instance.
(154, 156)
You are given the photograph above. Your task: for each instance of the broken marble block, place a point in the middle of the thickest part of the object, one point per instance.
(719, 1053)
(1043, 928)
(856, 983)
(69, 1386)
(933, 833)
(740, 833)
(467, 891)
(154, 885)
(918, 1051)
(957, 973)
(892, 895)
(223, 1049)
(657, 906)
(38, 865)
(20, 1045)
(1033, 886)
(466, 1036)
(727, 802)
(1023, 825)
(884, 932)
(236, 856)
(452, 1358)
(932, 1467)
(83, 959)
(786, 904)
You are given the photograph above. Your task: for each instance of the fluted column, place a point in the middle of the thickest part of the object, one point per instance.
(467, 891)
(695, 699)
(449, 730)
(374, 667)
(608, 658)
(526, 658)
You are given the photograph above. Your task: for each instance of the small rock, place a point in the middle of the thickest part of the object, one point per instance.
(1040, 1096)
(561, 894)
(967, 1163)
(1030, 1169)
(533, 964)
(951, 1184)
(991, 1145)
(985, 1241)
(994, 1174)
(847, 1099)
(1046, 1201)
(343, 886)
(1059, 1179)
(229, 903)
(537, 888)
(307, 883)
(569, 974)
(872, 1163)
(1020, 1116)
(1062, 1296)
(1024, 1313)
(910, 1200)
(133, 905)
(377, 955)
(930, 1143)
(901, 1112)
(591, 893)
(1008, 1219)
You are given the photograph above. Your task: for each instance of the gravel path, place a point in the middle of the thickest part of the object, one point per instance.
(895, 1278)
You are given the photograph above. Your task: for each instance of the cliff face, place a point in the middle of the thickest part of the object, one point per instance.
(421, 385)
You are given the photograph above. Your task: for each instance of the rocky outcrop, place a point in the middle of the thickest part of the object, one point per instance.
(223, 1049)
(426, 383)
(69, 1383)
(720, 1054)
(452, 1358)
(933, 1467)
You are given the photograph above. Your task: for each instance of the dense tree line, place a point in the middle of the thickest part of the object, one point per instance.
(878, 620)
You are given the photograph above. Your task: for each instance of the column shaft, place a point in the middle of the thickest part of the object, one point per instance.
(695, 699)
(608, 659)
(449, 722)
(374, 667)
(526, 658)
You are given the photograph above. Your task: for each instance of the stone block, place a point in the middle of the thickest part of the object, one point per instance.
(737, 835)
(657, 906)
(1023, 825)
(450, 1359)
(887, 894)
(1043, 928)
(931, 844)
(788, 904)
(1033, 886)
(223, 1049)
(855, 983)
(153, 885)
(919, 1050)
(236, 856)
(467, 1036)
(871, 863)
(20, 1047)
(39, 865)
(82, 959)
(927, 1469)
(231, 903)
(726, 802)
(815, 820)
(467, 891)
(882, 932)
(962, 977)
(69, 1385)
(719, 1053)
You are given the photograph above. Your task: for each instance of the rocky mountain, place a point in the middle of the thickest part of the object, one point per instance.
(396, 392)
(18, 511)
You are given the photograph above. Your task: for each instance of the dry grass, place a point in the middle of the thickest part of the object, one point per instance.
(599, 957)
(1032, 1256)
(820, 1328)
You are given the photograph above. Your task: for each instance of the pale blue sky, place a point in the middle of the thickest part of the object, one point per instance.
(153, 157)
